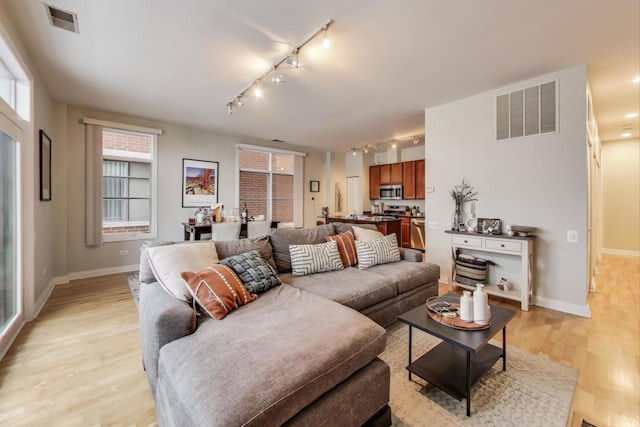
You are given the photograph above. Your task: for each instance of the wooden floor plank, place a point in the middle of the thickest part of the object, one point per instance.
(79, 362)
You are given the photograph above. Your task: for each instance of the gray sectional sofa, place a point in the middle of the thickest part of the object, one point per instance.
(303, 353)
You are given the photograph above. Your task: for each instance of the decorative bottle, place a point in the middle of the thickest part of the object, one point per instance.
(244, 213)
(480, 304)
(466, 307)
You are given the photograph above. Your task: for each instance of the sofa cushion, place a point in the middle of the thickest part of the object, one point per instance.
(362, 233)
(377, 251)
(281, 238)
(408, 275)
(167, 262)
(217, 289)
(309, 259)
(354, 288)
(346, 246)
(256, 273)
(145, 271)
(254, 379)
(261, 244)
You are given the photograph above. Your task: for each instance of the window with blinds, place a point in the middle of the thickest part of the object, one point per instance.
(127, 170)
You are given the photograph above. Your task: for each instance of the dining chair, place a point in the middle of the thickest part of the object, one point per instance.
(258, 228)
(225, 231)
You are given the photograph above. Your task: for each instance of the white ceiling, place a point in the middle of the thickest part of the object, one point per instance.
(182, 62)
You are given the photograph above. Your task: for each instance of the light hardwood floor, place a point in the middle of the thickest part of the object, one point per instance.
(79, 362)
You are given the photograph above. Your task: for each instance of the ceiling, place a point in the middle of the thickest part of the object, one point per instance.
(181, 62)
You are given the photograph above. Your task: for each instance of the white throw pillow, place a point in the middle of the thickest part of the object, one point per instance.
(377, 251)
(309, 259)
(366, 233)
(168, 262)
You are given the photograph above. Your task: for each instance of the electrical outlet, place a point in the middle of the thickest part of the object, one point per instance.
(431, 189)
(124, 252)
(572, 236)
(434, 225)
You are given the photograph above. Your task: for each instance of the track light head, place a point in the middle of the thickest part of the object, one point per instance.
(238, 101)
(277, 78)
(366, 149)
(415, 140)
(293, 59)
(229, 108)
(353, 151)
(257, 90)
(326, 43)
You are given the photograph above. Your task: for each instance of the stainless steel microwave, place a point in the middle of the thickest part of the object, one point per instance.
(390, 192)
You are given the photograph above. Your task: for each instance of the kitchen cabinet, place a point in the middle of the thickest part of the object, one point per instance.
(406, 232)
(409, 180)
(391, 174)
(374, 182)
(419, 179)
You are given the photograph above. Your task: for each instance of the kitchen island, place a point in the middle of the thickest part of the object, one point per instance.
(385, 225)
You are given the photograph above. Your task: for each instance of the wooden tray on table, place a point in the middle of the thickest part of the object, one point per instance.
(446, 310)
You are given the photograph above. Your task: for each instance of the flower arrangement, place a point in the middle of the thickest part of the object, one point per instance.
(463, 192)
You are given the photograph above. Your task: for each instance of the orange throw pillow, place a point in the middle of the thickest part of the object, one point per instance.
(218, 290)
(347, 248)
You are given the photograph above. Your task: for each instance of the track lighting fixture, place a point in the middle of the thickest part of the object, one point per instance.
(394, 143)
(277, 78)
(292, 58)
(326, 43)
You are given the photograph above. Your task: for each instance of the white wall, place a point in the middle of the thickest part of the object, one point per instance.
(621, 196)
(538, 181)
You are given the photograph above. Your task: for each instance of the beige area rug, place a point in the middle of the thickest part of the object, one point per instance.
(532, 392)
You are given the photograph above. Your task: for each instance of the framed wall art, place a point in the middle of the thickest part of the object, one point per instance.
(45, 166)
(314, 186)
(199, 183)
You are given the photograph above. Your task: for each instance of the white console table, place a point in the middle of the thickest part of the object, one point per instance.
(517, 246)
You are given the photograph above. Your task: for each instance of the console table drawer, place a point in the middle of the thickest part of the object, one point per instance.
(504, 245)
(467, 241)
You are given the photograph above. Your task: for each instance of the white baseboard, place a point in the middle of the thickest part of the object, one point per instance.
(620, 252)
(103, 271)
(44, 297)
(444, 280)
(578, 310)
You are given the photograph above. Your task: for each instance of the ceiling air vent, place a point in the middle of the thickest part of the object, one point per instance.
(527, 112)
(62, 18)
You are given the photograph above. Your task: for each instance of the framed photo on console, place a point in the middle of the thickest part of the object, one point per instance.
(489, 226)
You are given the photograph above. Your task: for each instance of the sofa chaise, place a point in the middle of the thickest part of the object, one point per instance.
(305, 352)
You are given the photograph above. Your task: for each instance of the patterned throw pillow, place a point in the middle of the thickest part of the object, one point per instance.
(217, 290)
(308, 259)
(346, 247)
(257, 274)
(377, 251)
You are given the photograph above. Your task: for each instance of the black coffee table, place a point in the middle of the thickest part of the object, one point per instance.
(462, 357)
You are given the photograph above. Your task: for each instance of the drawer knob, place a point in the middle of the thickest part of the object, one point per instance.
(466, 241)
(502, 245)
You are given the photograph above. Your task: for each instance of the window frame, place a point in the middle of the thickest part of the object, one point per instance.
(298, 178)
(153, 182)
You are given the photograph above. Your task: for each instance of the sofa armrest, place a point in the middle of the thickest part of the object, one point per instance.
(163, 319)
(412, 255)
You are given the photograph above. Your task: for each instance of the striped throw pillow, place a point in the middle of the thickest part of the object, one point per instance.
(218, 290)
(377, 251)
(309, 259)
(346, 247)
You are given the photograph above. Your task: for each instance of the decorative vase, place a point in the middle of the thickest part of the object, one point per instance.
(466, 307)
(456, 218)
(480, 305)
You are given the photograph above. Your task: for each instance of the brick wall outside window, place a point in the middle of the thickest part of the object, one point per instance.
(126, 229)
(254, 160)
(122, 141)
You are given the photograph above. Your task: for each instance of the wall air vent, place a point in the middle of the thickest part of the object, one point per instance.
(62, 18)
(527, 112)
